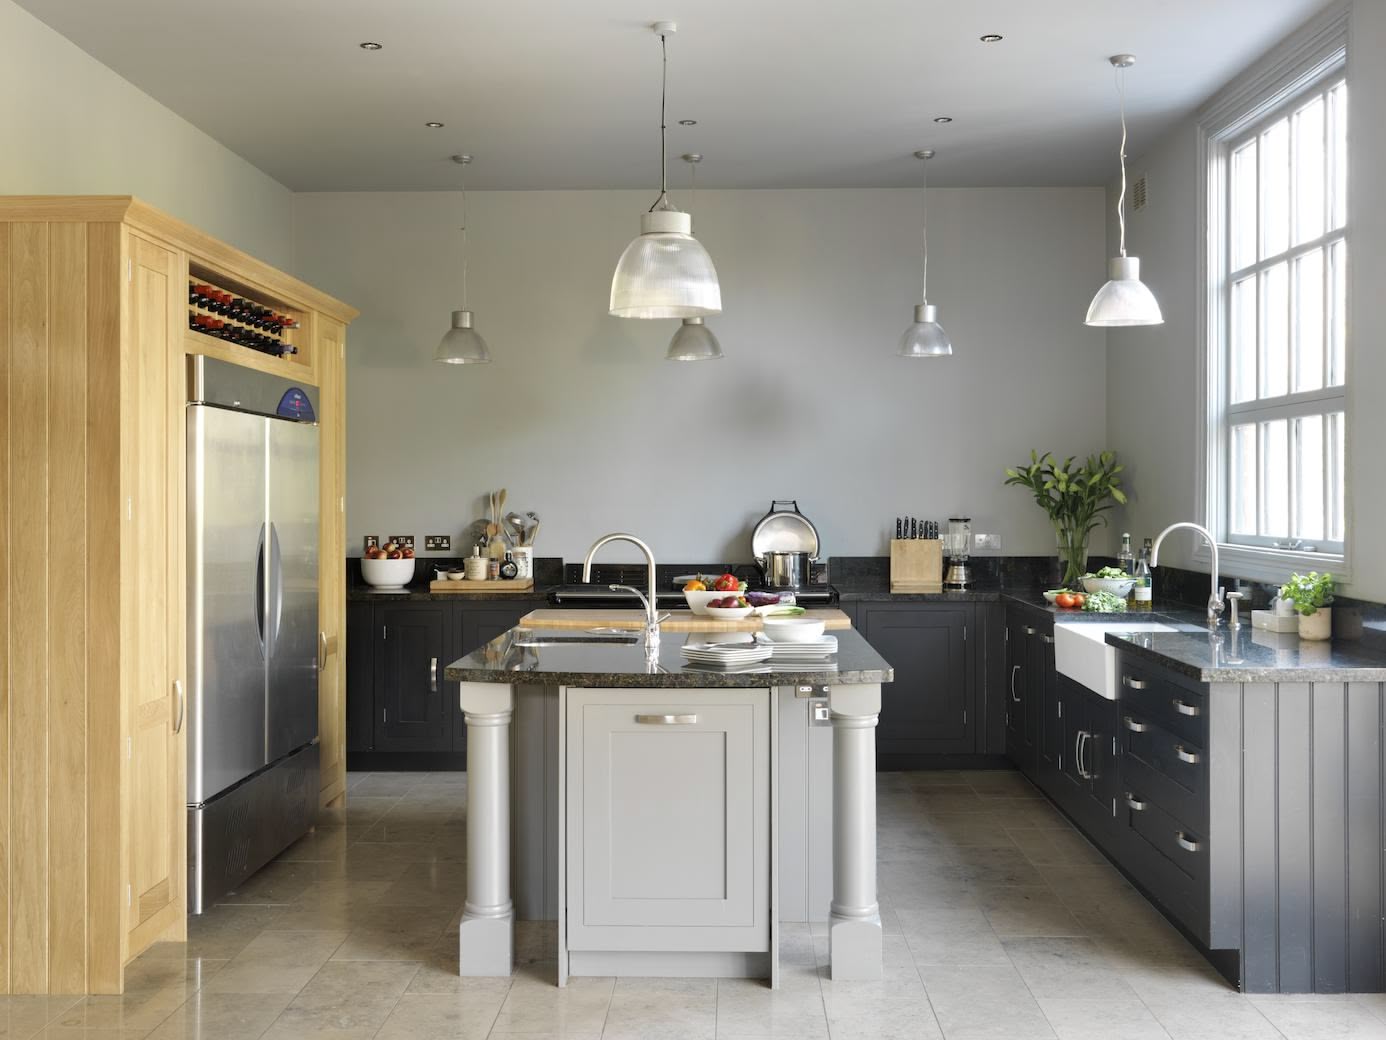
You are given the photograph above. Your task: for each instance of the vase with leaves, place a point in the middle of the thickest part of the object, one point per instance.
(1074, 497)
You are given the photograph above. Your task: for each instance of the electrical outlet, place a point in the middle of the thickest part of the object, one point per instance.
(437, 543)
(404, 541)
(986, 541)
(370, 541)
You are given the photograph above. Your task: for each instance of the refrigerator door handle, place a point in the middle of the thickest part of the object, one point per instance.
(260, 592)
(276, 589)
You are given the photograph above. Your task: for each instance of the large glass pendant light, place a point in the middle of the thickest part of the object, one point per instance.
(1124, 300)
(925, 338)
(693, 341)
(665, 272)
(462, 344)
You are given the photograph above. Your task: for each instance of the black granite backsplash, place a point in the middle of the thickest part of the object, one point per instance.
(548, 570)
(996, 572)
(665, 573)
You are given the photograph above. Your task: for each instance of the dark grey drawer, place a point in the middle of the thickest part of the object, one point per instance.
(1177, 708)
(1169, 770)
(1169, 859)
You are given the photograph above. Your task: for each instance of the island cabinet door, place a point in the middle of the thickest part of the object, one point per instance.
(927, 710)
(414, 712)
(668, 820)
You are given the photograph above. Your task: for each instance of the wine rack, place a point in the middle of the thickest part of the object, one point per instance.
(239, 318)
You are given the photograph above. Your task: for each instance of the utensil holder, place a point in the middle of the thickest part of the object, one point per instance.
(916, 565)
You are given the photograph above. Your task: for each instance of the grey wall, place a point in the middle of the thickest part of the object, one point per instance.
(74, 127)
(584, 422)
(1154, 407)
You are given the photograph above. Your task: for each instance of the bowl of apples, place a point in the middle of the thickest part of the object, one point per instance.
(701, 591)
(388, 566)
(731, 607)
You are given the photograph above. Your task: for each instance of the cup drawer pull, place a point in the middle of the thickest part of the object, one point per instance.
(1133, 725)
(1187, 757)
(1134, 803)
(1135, 684)
(1186, 843)
(667, 720)
(1185, 708)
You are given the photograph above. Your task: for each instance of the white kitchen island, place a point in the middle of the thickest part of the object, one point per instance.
(669, 816)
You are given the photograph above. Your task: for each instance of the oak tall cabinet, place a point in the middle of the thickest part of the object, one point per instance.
(93, 344)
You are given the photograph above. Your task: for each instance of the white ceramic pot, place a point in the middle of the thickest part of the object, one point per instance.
(387, 574)
(1318, 625)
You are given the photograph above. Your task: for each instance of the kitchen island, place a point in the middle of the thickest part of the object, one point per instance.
(656, 804)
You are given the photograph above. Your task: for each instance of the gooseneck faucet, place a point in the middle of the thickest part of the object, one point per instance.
(1215, 603)
(652, 616)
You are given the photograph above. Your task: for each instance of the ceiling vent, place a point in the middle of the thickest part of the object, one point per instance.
(1139, 194)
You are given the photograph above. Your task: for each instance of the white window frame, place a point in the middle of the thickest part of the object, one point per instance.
(1315, 55)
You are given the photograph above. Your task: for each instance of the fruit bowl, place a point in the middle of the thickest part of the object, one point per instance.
(793, 629)
(728, 613)
(1116, 586)
(698, 600)
(387, 574)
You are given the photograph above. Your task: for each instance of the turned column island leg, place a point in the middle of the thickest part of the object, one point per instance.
(486, 936)
(854, 929)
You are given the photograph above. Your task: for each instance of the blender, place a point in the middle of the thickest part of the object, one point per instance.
(957, 544)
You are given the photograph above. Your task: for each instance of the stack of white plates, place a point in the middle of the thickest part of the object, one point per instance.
(814, 650)
(732, 653)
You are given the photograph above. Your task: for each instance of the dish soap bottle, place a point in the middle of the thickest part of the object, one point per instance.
(509, 568)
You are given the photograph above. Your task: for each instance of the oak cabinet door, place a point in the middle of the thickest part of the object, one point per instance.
(668, 820)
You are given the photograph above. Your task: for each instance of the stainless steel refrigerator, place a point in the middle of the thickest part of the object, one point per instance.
(253, 637)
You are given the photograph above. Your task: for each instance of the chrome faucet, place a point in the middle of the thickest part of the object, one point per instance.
(652, 616)
(1215, 594)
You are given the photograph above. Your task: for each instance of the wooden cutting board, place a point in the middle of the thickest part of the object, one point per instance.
(518, 585)
(680, 621)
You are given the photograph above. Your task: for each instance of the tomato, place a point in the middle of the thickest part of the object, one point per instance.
(1079, 599)
(1066, 600)
(727, 583)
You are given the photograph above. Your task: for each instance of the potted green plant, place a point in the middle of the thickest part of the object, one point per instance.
(1074, 498)
(1311, 593)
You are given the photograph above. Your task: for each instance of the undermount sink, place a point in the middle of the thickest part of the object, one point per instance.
(1081, 652)
(582, 639)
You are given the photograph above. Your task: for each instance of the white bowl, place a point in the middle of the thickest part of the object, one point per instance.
(1116, 586)
(698, 601)
(1050, 597)
(455, 575)
(793, 629)
(728, 613)
(387, 574)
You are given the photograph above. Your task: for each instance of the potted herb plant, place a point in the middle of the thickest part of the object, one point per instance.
(1311, 593)
(1074, 498)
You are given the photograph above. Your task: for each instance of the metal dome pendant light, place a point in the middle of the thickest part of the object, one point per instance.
(925, 338)
(693, 341)
(665, 272)
(1124, 300)
(462, 344)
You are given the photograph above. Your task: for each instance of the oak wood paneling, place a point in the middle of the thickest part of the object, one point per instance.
(6, 857)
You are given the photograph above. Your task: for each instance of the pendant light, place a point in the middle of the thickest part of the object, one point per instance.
(1124, 300)
(462, 344)
(665, 272)
(693, 341)
(925, 338)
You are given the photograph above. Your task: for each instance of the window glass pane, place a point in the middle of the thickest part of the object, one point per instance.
(1242, 207)
(1310, 170)
(1336, 480)
(1337, 105)
(1275, 188)
(1242, 341)
(1275, 331)
(1337, 317)
(1308, 307)
(1309, 504)
(1275, 479)
(1241, 507)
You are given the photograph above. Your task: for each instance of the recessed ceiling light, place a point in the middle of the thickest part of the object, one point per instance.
(992, 38)
(943, 119)
(371, 46)
(688, 122)
(434, 126)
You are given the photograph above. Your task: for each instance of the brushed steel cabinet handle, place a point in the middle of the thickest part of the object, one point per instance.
(182, 705)
(1186, 843)
(1135, 684)
(1184, 756)
(1047, 639)
(1134, 803)
(1029, 631)
(1133, 725)
(1184, 707)
(1080, 745)
(322, 651)
(667, 720)
(1015, 668)
(433, 674)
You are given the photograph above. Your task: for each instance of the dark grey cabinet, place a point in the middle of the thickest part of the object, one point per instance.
(1087, 776)
(929, 709)
(1029, 670)
(412, 705)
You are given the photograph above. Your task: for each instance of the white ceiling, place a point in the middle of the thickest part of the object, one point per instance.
(565, 93)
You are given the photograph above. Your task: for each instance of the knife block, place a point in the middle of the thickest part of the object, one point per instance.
(916, 565)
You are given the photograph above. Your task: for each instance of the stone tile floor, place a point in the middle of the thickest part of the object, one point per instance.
(1001, 922)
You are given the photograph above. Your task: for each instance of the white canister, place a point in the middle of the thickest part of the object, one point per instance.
(1318, 625)
(476, 567)
(523, 555)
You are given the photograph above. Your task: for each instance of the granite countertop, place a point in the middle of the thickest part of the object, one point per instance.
(503, 660)
(1251, 655)
(421, 593)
